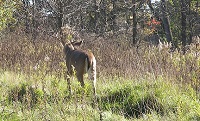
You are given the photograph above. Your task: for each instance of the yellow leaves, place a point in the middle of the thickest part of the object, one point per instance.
(148, 31)
(69, 37)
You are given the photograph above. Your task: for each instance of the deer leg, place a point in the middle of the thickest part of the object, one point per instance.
(92, 76)
(69, 86)
(68, 82)
(80, 79)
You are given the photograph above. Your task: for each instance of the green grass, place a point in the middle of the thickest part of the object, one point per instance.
(143, 83)
(32, 98)
(160, 97)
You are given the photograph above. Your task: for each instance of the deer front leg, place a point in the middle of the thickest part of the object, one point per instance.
(69, 86)
(67, 77)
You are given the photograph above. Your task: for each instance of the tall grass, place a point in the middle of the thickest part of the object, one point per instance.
(144, 83)
(140, 99)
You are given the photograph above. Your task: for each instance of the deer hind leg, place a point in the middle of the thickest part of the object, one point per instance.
(92, 75)
(94, 79)
(67, 77)
(80, 79)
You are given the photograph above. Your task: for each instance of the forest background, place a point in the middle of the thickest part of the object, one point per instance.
(147, 52)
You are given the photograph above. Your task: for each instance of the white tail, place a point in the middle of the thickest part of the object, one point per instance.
(82, 62)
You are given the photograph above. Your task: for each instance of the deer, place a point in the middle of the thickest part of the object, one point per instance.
(81, 62)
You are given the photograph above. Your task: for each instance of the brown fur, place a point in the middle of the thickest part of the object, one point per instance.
(79, 62)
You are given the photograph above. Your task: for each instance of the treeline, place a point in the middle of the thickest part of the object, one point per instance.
(175, 21)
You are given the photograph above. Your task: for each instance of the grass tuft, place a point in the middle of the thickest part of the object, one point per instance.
(136, 100)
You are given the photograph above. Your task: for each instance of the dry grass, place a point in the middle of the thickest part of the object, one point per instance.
(114, 57)
(152, 82)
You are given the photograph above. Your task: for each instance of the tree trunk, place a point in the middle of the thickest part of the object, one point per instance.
(26, 5)
(94, 21)
(166, 22)
(102, 16)
(113, 16)
(155, 13)
(60, 14)
(134, 22)
(183, 23)
(190, 25)
(60, 20)
(33, 22)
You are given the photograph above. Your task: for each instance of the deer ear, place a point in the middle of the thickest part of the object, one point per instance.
(77, 43)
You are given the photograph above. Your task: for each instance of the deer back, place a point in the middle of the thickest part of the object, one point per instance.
(77, 60)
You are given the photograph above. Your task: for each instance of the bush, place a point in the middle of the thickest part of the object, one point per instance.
(25, 94)
(142, 106)
(144, 98)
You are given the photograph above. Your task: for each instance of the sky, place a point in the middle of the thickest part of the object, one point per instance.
(153, 1)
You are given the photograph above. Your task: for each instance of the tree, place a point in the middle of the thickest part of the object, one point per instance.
(165, 21)
(183, 22)
(7, 8)
(134, 22)
(45, 17)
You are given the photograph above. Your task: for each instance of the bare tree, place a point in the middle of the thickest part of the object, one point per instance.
(183, 23)
(134, 22)
(166, 22)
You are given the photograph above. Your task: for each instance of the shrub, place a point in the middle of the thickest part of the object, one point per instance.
(144, 98)
(25, 94)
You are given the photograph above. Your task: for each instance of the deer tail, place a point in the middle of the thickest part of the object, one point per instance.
(86, 65)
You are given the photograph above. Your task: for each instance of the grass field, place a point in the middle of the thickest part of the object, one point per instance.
(24, 98)
(145, 84)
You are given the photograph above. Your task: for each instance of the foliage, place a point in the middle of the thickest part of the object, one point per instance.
(105, 17)
(7, 10)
